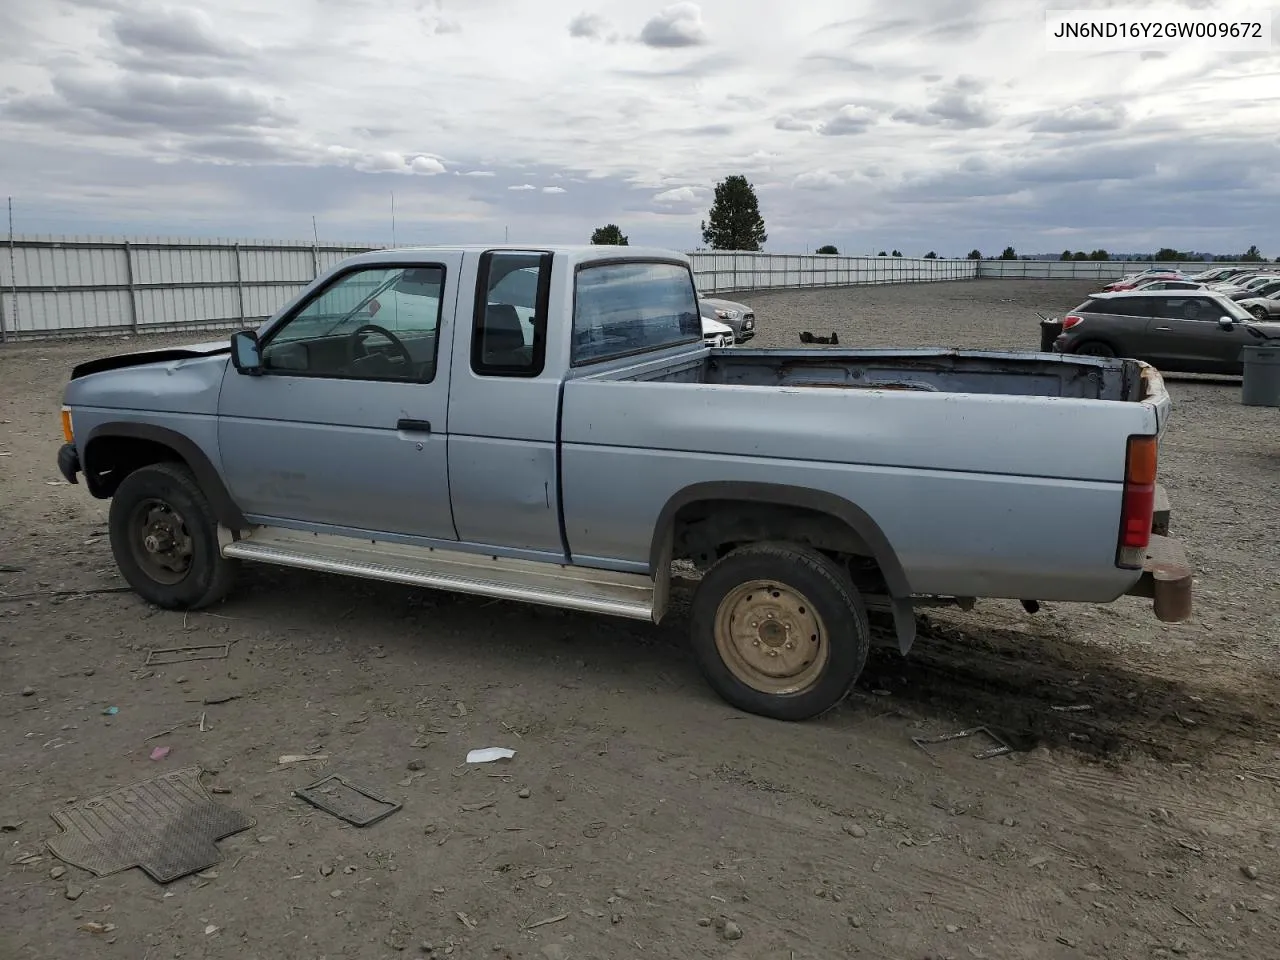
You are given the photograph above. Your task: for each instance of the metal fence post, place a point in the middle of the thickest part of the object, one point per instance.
(315, 261)
(133, 291)
(239, 281)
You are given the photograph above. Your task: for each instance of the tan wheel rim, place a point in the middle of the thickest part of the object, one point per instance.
(771, 638)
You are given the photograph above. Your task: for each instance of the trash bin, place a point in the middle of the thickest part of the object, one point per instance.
(1049, 332)
(1261, 387)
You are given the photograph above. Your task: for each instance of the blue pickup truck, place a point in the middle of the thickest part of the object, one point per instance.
(547, 425)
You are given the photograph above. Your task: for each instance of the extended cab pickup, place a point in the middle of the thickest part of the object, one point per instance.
(547, 425)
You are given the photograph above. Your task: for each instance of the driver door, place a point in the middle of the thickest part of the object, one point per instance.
(344, 430)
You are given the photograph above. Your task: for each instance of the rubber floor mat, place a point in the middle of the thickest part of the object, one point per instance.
(167, 825)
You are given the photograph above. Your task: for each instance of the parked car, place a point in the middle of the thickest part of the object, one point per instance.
(1264, 308)
(716, 334)
(1219, 273)
(1168, 285)
(570, 461)
(1253, 287)
(1128, 283)
(1177, 331)
(737, 315)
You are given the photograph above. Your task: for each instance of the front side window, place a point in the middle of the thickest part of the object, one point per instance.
(625, 308)
(372, 323)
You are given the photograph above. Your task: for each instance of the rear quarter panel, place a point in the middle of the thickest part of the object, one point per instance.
(978, 495)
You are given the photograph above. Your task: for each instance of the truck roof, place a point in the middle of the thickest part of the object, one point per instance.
(578, 253)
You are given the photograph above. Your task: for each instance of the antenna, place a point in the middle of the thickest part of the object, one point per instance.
(506, 234)
(393, 218)
(314, 232)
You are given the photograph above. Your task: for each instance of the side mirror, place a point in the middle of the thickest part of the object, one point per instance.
(1226, 323)
(245, 354)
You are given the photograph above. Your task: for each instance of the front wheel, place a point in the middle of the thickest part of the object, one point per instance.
(164, 537)
(780, 630)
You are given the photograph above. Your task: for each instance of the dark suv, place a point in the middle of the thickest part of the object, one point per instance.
(1174, 330)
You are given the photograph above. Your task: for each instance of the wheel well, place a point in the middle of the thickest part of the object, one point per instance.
(108, 460)
(705, 530)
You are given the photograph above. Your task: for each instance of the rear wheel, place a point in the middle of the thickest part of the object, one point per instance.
(1259, 312)
(164, 537)
(1094, 348)
(780, 630)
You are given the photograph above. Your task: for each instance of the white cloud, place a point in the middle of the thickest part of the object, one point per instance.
(678, 195)
(427, 165)
(246, 123)
(679, 25)
(554, 190)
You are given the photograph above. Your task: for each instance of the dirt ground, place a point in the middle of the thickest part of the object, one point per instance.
(640, 813)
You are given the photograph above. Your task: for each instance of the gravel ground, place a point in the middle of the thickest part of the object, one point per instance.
(641, 817)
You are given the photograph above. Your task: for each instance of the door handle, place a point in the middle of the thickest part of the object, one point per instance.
(414, 426)
(1165, 329)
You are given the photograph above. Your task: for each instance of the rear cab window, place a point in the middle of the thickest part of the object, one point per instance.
(626, 307)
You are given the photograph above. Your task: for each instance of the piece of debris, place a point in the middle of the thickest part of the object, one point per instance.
(220, 790)
(73, 892)
(1250, 871)
(220, 698)
(210, 930)
(853, 830)
(110, 711)
(208, 874)
(1073, 708)
(11, 826)
(1009, 822)
(417, 765)
(466, 921)
(731, 931)
(347, 801)
(301, 757)
(999, 750)
(159, 753)
(489, 754)
(57, 873)
(167, 655)
(459, 710)
(483, 805)
(524, 793)
(100, 928)
(326, 870)
(704, 921)
(549, 920)
(336, 894)
(28, 691)
(543, 881)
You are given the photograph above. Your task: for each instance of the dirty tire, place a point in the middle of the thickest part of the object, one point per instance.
(1094, 348)
(825, 594)
(208, 576)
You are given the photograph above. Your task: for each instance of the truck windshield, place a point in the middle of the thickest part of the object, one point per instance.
(626, 308)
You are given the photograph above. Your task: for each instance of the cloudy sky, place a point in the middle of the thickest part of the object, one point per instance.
(916, 124)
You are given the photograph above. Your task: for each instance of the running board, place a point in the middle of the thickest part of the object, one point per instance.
(628, 595)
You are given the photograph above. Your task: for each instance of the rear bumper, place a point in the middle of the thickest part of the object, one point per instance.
(1166, 572)
(69, 462)
(1166, 580)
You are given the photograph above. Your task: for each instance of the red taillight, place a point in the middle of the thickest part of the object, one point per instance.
(1138, 502)
(1070, 321)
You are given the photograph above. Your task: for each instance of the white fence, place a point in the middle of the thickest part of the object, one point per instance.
(717, 272)
(76, 286)
(1087, 269)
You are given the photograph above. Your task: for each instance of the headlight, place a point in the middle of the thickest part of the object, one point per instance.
(727, 314)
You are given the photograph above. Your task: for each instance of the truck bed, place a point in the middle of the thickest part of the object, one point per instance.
(930, 370)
